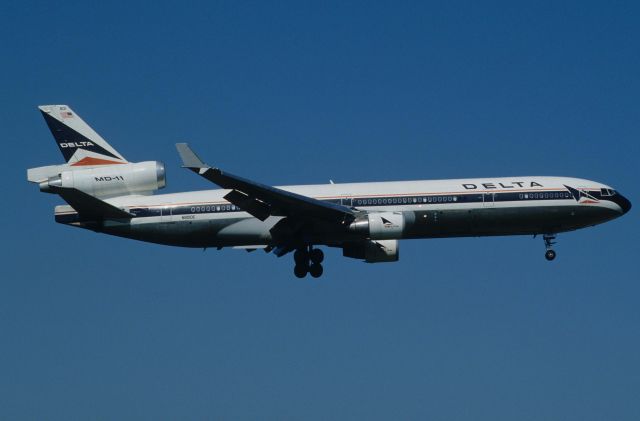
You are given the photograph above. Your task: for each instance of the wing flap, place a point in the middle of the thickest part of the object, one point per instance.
(249, 204)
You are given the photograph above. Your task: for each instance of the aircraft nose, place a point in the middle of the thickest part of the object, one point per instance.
(624, 203)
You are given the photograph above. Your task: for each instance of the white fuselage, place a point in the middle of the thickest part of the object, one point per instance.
(430, 208)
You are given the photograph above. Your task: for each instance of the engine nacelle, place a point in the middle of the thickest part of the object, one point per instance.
(373, 251)
(379, 225)
(111, 180)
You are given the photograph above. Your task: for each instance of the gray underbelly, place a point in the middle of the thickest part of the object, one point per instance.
(504, 221)
(196, 233)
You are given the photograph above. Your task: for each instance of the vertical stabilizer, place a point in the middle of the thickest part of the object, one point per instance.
(79, 143)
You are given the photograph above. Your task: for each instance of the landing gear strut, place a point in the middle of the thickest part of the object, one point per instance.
(549, 241)
(308, 260)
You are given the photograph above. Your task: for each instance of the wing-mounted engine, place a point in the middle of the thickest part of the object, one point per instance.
(379, 225)
(102, 181)
(373, 251)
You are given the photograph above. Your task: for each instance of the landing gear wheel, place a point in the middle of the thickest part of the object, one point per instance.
(300, 271)
(301, 256)
(550, 255)
(316, 270)
(316, 256)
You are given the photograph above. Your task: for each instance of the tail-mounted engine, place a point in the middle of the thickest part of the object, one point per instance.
(110, 180)
(379, 225)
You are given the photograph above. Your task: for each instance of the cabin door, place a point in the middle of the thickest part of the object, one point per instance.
(166, 214)
(488, 200)
(346, 201)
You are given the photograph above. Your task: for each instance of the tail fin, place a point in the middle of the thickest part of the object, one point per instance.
(80, 144)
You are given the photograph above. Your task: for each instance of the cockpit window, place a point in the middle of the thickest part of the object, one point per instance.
(607, 192)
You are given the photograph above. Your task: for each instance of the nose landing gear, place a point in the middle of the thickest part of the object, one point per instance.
(550, 254)
(308, 260)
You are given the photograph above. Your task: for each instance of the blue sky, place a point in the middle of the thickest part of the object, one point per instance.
(484, 328)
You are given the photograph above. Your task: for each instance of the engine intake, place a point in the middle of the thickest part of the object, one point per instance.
(379, 225)
(111, 180)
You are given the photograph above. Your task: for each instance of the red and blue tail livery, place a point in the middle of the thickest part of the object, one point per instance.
(79, 143)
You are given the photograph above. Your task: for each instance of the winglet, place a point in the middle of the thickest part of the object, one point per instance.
(189, 158)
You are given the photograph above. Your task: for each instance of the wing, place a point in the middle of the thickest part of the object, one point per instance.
(261, 200)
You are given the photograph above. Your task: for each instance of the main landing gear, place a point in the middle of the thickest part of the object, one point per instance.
(549, 241)
(308, 260)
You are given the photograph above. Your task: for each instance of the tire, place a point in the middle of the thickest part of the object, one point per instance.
(316, 256)
(301, 256)
(550, 255)
(316, 270)
(300, 271)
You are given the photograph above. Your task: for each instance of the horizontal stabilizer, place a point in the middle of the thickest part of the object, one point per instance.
(90, 207)
(40, 174)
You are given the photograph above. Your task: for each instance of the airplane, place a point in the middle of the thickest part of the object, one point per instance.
(106, 193)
